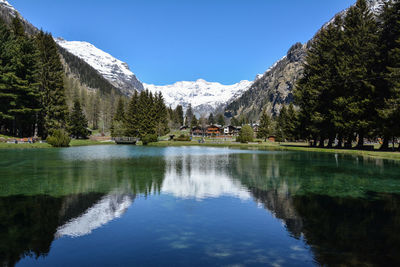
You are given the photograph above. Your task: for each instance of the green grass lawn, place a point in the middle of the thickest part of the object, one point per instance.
(73, 143)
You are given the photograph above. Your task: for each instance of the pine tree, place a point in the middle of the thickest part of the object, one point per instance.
(189, 115)
(54, 110)
(220, 119)
(388, 93)
(264, 131)
(281, 125)
(178, 116)
(211, 119)
(291, 123)
(120, 112)
(195, 122)
(161, 115)
(7, 95)
(319, 90)
(360, 43)
(118, 122)
(21, 74)
(78, 123)
(132, 124)
(145, 116)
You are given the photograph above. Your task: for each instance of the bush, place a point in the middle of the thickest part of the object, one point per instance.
(149, 138)
(58, 138)
(182, 138)
(246, 134)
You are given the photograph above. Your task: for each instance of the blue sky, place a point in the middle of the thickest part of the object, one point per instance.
(165, 41)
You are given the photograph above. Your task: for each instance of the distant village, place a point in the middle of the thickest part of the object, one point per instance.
(220, 131)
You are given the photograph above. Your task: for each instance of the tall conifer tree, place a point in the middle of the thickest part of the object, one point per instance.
(54, 110)
(360, 49)
(264, 131)
(78, 123)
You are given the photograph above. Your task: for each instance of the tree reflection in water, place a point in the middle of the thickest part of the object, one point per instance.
(345, 208)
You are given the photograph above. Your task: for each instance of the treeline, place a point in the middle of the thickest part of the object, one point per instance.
(32, 97)
(284, 127)
(351, 85)
(40, 84)
(99, 107)
(144, 117)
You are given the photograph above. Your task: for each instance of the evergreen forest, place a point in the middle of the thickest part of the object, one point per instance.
(350, 90)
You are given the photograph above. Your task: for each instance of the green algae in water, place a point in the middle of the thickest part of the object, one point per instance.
(123, 205)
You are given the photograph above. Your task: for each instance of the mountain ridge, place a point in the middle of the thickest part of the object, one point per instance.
(205, 97)
(275, 87)
(114, 70)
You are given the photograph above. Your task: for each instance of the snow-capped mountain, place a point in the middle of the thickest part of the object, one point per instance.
(114, 70)
(7, 5)
(204, 96)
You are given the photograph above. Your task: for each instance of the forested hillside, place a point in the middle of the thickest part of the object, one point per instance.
(97, 95)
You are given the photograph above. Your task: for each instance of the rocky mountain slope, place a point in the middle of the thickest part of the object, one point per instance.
(8, 12)
(205, 97)
(275, 87)
(272, 89)
(112, 69)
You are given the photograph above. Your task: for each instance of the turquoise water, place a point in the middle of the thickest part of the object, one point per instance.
(196, 206)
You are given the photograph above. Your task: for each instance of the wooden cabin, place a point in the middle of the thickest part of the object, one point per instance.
(230, 131)
(214, 130)
(197, 131)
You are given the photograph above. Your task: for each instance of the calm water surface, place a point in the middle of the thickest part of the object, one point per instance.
(136, 206)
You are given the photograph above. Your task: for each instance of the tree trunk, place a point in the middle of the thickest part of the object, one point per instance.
(340, 141)
(385, 144)
(315, 142)
(322, 142)
(393, 144)
(360, 143)
(330, 142)
(348, 143)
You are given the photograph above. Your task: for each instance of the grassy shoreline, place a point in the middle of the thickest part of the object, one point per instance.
(286, 147)
(74, 143)
(262, 146)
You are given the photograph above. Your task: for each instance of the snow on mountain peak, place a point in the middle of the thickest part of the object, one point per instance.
(204, 96)
(6, 4)
(112, 69)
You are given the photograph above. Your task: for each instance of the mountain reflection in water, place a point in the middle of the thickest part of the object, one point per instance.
(344, 210)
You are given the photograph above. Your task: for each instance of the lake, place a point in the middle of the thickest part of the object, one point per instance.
(196, 206)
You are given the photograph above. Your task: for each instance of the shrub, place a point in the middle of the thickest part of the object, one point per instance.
(149, 138)
(58, 138)
(182, 138)
(246, 134)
